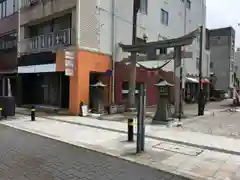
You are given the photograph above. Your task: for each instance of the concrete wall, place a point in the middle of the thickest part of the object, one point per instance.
(8, 24)
(44, 9)
(8, 58)
(89, 26)
(222, 46)
(220, 62)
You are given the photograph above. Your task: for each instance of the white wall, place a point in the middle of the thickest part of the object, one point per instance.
(151, 25)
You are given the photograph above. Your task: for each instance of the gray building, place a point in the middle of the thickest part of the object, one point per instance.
(237, 63)
(222, 47)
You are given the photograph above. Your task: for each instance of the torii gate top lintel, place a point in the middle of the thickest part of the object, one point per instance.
(176, 42)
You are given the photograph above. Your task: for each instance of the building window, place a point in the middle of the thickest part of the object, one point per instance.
(211, 64)
(163, 51)
(125, 87)
(188, 4)
(8, 41)
(4, 7)
(164, 17)
(144, 6)
(15, 5)
(0, 10)
(9, 9)
(197, 63)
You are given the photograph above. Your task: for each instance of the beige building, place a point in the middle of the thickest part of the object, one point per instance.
(59, 53)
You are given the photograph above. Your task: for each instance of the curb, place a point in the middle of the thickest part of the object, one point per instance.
(149, 136)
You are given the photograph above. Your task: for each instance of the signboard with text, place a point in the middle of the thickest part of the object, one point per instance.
(69, 63)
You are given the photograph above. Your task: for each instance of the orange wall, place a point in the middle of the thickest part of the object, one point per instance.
(86, 62)
(60, 61)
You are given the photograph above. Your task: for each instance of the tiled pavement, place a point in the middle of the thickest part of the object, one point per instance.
(25, 156)
(225, 123)
(190, 111)
(196, 136)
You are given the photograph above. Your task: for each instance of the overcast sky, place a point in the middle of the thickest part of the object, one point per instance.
(222, 13)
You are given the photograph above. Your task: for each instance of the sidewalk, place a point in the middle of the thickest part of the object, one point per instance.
(158, 132)
(110, 138)
(190, 111)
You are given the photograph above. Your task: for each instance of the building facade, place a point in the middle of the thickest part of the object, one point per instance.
(237, 63)
(237, 68)
(157, 20)
(222, 45)
(8, 46)
(59, 52)
(85, 35)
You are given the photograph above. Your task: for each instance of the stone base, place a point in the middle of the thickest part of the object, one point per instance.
(132, 110)
(167, 122)
(176, 115)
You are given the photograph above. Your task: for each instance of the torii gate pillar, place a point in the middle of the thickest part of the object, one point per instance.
(178, 94)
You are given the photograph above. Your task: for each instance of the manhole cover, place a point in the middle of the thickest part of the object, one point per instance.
(182, 149)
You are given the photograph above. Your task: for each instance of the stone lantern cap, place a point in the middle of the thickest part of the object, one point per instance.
(163, 83)
(98, 84)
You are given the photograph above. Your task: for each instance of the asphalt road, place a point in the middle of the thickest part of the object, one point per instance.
(25, 156)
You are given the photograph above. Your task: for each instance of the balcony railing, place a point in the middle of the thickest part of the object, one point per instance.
(48, 42)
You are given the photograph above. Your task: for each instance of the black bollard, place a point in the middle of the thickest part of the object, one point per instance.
(33, 113)
(80, 109)
(130, 130)
(1, 113)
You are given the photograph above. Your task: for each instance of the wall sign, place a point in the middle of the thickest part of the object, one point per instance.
(69, 63)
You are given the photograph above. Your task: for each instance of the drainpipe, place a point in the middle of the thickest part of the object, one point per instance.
(19, 87)
(18, 30)
(77, 27)
(113, 34)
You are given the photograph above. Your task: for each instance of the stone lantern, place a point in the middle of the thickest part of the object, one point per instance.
(98, 97)
(163, 108)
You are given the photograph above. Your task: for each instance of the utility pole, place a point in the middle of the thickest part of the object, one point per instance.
(200, 98)
(181, 96)
(181, 88)
(132, 70)
(182, 68)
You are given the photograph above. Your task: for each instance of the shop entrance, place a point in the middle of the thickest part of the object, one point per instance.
(47, 89)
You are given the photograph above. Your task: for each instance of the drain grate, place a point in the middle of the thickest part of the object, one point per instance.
(178, 148)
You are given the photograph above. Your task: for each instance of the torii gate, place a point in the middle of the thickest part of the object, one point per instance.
(176, 43)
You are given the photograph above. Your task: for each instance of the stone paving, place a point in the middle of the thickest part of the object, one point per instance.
(24, 156)
(190, 111)
(184, 160)
(222, 124)
(179, 135)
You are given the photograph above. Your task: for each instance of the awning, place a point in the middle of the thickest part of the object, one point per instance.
(191, 80)
(205, 81)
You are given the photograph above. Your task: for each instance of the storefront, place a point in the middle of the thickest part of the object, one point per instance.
(44, 80)
(40, 83)
(48, 89)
